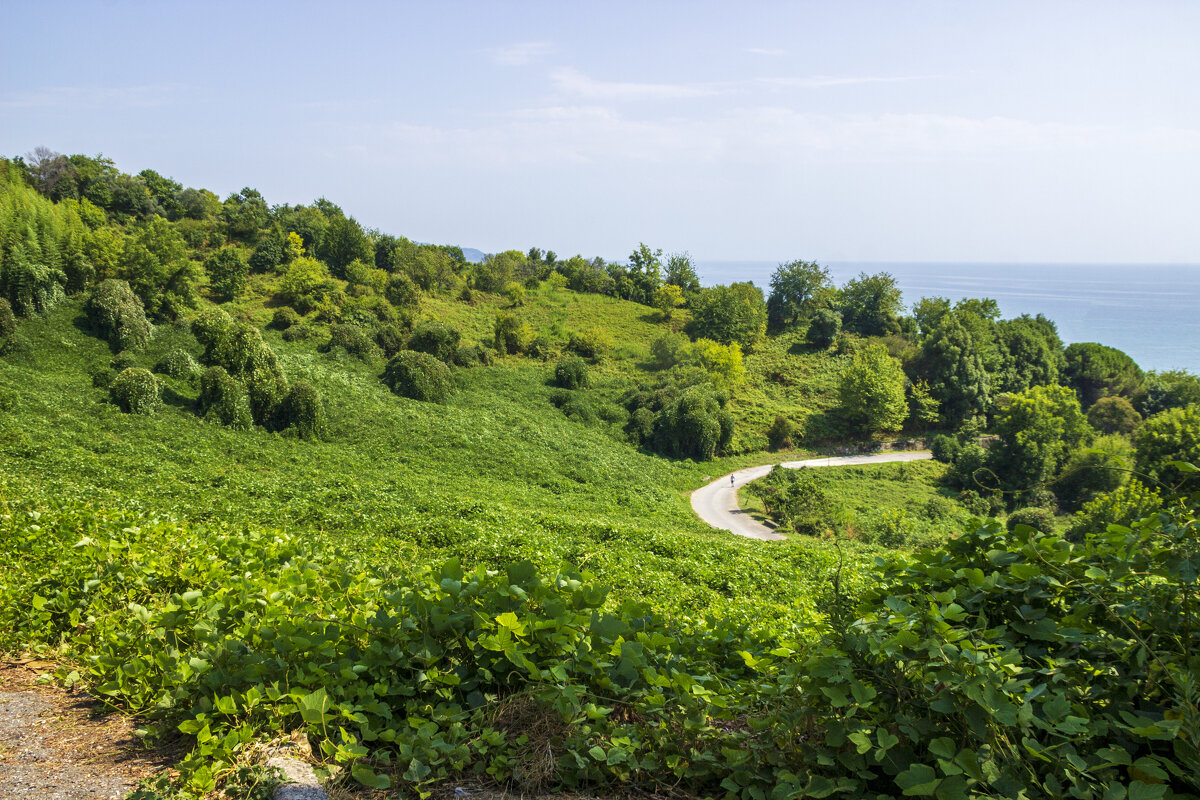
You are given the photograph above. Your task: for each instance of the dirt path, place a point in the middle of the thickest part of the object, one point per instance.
(55, 746)
(717, 502)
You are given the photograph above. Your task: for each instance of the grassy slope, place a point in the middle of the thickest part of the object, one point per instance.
(497, 474)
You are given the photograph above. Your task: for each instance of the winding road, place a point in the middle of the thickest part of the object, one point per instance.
(717, 502)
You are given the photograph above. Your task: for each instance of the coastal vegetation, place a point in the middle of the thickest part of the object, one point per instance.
(265, 471)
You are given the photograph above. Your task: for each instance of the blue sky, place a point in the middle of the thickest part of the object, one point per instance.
(1047, 131)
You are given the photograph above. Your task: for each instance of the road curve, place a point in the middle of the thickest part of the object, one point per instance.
(717, 502)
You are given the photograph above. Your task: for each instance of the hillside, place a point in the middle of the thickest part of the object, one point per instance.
(263, 471)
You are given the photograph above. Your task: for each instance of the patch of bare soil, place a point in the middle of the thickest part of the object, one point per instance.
(59, 745)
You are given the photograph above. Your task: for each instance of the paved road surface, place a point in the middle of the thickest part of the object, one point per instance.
(717, 503)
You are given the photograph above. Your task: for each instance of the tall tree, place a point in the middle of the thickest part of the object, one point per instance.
(870, 304)
(681, 272)
(954, 369)
(1039, 429)
(1095, 371)
(727, 314)
(871, 392)
(795, 286)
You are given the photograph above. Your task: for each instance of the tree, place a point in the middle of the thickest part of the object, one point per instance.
(681, 272)
(955, 372)
(645, 273)
(923, 407)
(1164, 390)
(667, 298)
(1038, 430)
(1028, 356)
(345, 242)
(1102, 466)
(795, 286)
(245, 214)
(824, 327)
(1172, 435)
(227, 272)
(871, 392)
(1114, 415)
(1095, 371)
(870, 304)
(727, 314)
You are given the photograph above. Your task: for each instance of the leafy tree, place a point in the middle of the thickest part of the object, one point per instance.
(780, 436)
(1113, 415)
(694, 424)
(722, 363)
(8, 320)
(591, 343)
(1095, 371)
(669, 349)
(435, 338)
(245, 214)
(1038, 430)
(667, 298)
(645, 273)
(354, 340)
(955, 372)
(681, 272)
(1101, 467)
(345, 242)
(418, 376)
(117, 315)
(164, 192)
(1172, 435)
(228, 272)
(870, 304)
(268, 253)
(824, 328)
(798, 499)
(307, 285)
(795, 287)
(302, 411)
(922, 406)
(1027, 355)
(178, 364)
(223, 400)
(728, 314)
(871, 392)
(930, 312)
(494, 273)
(1164, 390)
(1121, 506)
(154, 261)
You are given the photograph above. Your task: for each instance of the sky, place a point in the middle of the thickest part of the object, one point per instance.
(902, 130)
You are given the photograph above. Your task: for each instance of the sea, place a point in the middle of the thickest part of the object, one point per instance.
(1150, 311)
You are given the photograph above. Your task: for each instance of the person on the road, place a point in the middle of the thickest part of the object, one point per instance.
(731, 481)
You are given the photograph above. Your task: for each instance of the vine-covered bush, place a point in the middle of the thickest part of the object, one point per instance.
(223, 399)
(8, 320)
(302, 411)
(117, 315)
(1039, 518)
(285, 317)
(136, 391)
(571, 372)
(418, 376)
(354, 340)
(435, 338)
(472, 355)
(178, 364)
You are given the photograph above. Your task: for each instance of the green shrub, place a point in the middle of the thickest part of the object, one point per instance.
(298, 333)
(945, 448)
(391, 339)
(1172, 435)
(668, 350)
(8, 320)
(118, 316)
(1091, 471)
(781, 434)
(592, 343)
(302, 411)
(239, 348)
(571, 372)
(124, 360)
(178, 364)
(136, 391)
(285, 317)
(1114, 415)
(472, 355)
(1036, 517)
(228, 272)
(578, 408)
(353, 340)
(1119, 507)
(402, 292)
(223, 399)
(435, 338)
(418, 376)
(797, 500)
(824, 328)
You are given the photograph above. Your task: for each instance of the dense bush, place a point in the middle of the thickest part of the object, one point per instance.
(117, 315)
(1095, 370)
(136, 391)
(695, 425)
(668, 350)
(228, 272)
(1119, 507)
(1036, 517)
(298, 333)
(1091, 471)
(418, 376)
(472, 355)
(223, 399)
(402, 292)
(1172, 435)
(824, 328)
(285, 317)
(8, 320)
(797, 499)
(592, 343)
(435, 338)
(354, 340)
(1113, 415)
(123, 361)
(571, 372)
(945, 448)
(302, 411)
(178, 364)
(239, 348)
(782, 433)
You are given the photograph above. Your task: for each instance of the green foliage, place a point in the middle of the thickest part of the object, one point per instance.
(729, 314)
(693, 424)
(955, 371)
(591, 343)
(666, 299)
(797, 499)
(307, 286)
(228, 272)
(1113, 415)
(223, 399)
(1100, 468)
(871, 392)
(354, 340)
(302, 411)
(402, 292)
(435, 338)
(1030, 354)
(285, 317)
(945, 448)
(8, 320)
(823, 328)
(796, 287)
(681, 272)
(1170, 436)
(669, 350)
(1165, 390)
(1038, 429)
(136, 391)
(1040, 519)
(472, 355)
(117, 315)
(782, 434)
(1122, 506)
(1095, 371)
(418, 376)
(239, 349)
(178, 364)
(154, 261)
(571, 372)
(870, 304)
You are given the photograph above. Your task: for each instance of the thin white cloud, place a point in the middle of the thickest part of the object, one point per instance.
(519, 54)
(71, 97)
(573, 82)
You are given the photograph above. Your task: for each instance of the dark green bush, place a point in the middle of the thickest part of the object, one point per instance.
(418, 376)
(824, 328)
(578, 408)
(178, 364)
(302, 411)
(571, 372)
(402, 292)
(1036, 517)
(228, 272)
(1114, 415)
(945, 448)
(8, 320)
(297, 333)
(223, 399)
(435, 338)
(136, 391)
(508, 334)
(391, 339)
(781, 435)
(285, 317)
(117, 315)
(353, 340)
(472, 355)
(124, 360)
(591, 343)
